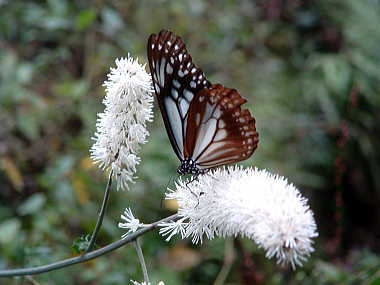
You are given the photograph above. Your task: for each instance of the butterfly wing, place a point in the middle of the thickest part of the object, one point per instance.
(176, 80)
(218, 131)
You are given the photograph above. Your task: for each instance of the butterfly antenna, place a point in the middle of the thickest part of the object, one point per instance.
(166, 187)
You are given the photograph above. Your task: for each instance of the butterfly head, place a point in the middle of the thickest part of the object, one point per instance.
(188, 166)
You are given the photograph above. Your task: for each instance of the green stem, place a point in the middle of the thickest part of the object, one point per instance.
(101, 213)
(87, 256)
(142, 261)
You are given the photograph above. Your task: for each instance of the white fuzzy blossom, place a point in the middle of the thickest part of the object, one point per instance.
(131, 223)
(247, 202)
(121, 128)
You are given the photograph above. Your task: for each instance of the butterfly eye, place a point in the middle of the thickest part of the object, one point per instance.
(204, 122)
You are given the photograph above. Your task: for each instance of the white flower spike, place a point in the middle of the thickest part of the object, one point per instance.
(121, 128)
(248, 202)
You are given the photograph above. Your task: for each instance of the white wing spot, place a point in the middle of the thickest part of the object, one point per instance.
(188, 64)
(221, 124)
(176, 47)
(184, 106)
(180, 73)
(193, 70)
(159, 46)
(169, 43)
(175, 93)
(176, 84)
(221, 134)
(186, 72)
(201, 98)
(162, 72)
(180, 57)
(172, 60)
(208, 112)
(169, 69)
(188, 95)
(217, 113)
(193, 84)
(152, 46)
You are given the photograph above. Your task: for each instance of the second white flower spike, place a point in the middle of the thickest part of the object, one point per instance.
(247, 202)
(121, 128)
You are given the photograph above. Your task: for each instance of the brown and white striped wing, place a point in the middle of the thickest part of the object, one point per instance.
(218, 131)
(176, 80)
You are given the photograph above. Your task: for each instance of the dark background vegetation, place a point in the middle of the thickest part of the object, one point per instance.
(310, 70)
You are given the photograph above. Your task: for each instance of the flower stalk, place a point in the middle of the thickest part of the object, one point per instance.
(99, 222)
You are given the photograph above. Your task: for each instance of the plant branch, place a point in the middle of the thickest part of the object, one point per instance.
(101, 213)
(87, 256)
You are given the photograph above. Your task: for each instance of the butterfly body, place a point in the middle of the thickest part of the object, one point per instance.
(188, 166)
(204, 122)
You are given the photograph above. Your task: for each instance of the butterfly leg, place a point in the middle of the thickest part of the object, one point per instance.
(193, 178)
(203, 172)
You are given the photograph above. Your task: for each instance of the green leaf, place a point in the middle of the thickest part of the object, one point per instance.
(375, 282)
(85, 19)
(9, 230)
(81, 243)
(28, 125)
(337, 73)
(32, 205)
(72, 89)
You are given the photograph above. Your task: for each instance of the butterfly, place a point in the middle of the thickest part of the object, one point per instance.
(204, 121)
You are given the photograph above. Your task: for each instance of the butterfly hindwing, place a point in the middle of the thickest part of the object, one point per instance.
(176, 81)
(218, 131)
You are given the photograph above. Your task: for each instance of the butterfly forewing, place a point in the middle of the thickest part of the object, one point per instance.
(218, 131)
(176, 81)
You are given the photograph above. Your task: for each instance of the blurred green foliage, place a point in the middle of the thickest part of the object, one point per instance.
(310, 70)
